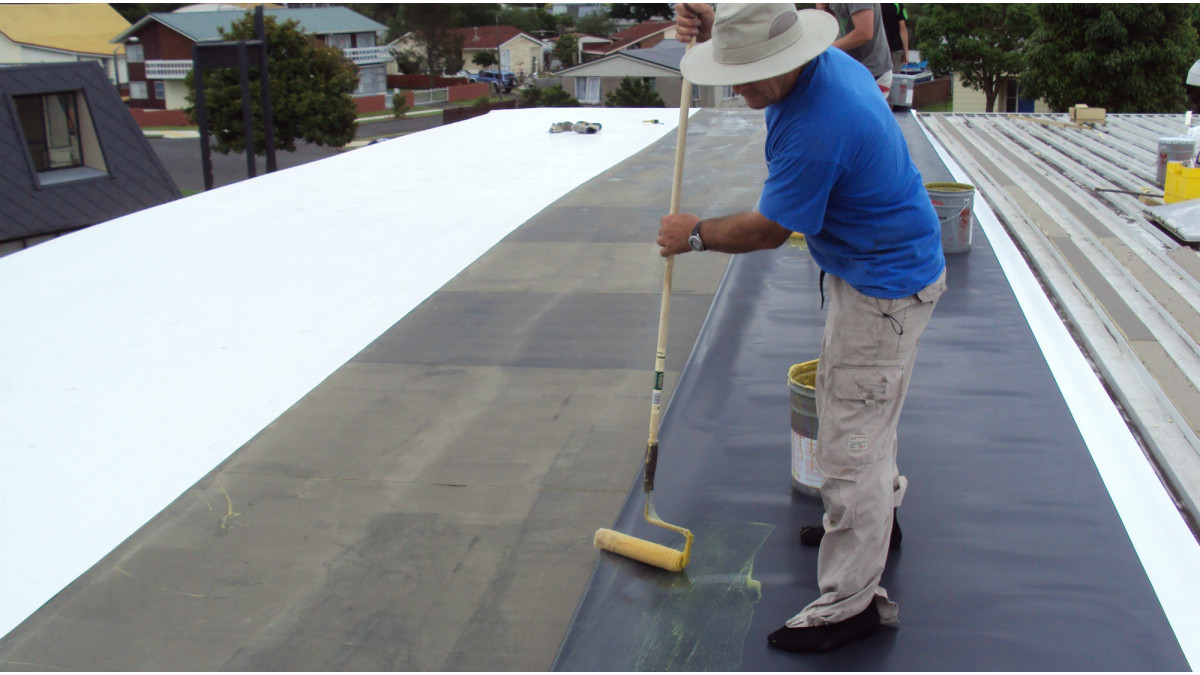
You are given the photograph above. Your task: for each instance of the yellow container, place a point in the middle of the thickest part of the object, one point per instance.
(1182, 183)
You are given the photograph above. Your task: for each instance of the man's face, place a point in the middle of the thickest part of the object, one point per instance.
(760, 94)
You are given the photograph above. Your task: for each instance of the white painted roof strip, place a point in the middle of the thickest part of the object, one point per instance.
(1164, 544)
(138, 354)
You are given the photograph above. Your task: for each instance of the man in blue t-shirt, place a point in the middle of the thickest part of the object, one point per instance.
(839, 172)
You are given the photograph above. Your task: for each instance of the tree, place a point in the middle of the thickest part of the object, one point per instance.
(640, 12)
(433, 26)
(1127, 58)
(135, 11)
(634, 93)
(553, 96)
(484, 59)
(567, 50)
(983, 43)
(596, 23)
(311, 84)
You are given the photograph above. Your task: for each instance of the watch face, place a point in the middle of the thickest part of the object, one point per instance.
(695, 243)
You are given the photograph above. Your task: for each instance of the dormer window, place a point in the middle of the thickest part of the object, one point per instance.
(60, 137)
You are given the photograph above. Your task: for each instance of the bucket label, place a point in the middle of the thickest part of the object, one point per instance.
(804, 461)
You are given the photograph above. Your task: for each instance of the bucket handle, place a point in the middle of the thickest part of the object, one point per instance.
(957, 215)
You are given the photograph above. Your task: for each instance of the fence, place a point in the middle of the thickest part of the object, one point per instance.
(428, 96)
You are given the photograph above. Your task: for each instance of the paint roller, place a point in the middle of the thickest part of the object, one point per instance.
(670, 559)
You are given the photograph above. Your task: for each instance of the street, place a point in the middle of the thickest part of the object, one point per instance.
(181, 156)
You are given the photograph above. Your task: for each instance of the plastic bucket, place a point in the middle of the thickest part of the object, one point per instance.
(1173, 149)
(954, 204)
(802, 380)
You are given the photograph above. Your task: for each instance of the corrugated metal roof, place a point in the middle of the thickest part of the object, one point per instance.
(1076, 200)
(200, 26)
(83, 28)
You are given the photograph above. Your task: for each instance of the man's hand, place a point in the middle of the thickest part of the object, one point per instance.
(694, 20)
(673, 233)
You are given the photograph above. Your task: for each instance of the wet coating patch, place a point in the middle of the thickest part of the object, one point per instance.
(691, 620)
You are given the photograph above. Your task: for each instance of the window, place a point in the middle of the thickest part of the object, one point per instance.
(59, 135)
(587, 90)
(160, 90)
(137, 91)
(340, 40)
(134, 54)
(365, 40)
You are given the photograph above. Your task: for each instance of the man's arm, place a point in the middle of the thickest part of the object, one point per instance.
(863, 31)
(904, 38)
(693, 20)
(737, 233)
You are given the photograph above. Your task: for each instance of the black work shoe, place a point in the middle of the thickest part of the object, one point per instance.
(811, 535)
(828, 637)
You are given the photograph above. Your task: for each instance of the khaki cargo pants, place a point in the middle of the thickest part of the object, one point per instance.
(866, 362)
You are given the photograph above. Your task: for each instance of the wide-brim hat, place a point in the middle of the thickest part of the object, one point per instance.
(752, 42)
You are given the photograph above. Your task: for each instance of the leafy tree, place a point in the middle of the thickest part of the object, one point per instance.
(554, 96)
(136, 11)
(634, 93)
(528, 20)
(484, 59)
(983, 43)
(311, 84)
(1127, 58)
(640, 12)
(433, 26)
(567, 50)
(596, 23)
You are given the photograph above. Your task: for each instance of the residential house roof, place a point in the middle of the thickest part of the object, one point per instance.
(199, 26)
(490, 37)
(80, 28)
(136, 178)
(633, 35)
(666, 55)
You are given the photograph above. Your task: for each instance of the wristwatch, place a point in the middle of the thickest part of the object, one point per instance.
(694, 241)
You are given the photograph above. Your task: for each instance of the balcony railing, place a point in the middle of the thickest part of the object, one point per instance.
(363, 55)
(177, 70)
(168, 70)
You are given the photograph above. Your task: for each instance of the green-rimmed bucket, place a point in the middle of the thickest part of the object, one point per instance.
(802, 380)
(954, 204)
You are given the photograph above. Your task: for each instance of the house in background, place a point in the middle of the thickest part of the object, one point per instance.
(159, 50)
(63, 33)
(591, 82)
(71, 154)
(1008, 98)
(639, 36)
(519, 52)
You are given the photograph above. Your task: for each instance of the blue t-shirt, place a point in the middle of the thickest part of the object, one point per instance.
(840, 173)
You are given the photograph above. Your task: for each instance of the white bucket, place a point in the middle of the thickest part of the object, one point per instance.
(954, 204)
(806, 478)
(1173, 149)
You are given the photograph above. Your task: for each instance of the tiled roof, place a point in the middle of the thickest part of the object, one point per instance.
(82, 28)
(489, 37)
(199, 26)
(631, 35)
(136, 180)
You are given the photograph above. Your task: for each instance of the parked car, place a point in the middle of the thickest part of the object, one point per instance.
(505, 80)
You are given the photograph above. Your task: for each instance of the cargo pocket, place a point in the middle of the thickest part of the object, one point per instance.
(861, 398)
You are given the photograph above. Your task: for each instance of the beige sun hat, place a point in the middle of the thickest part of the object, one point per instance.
(752, 42)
